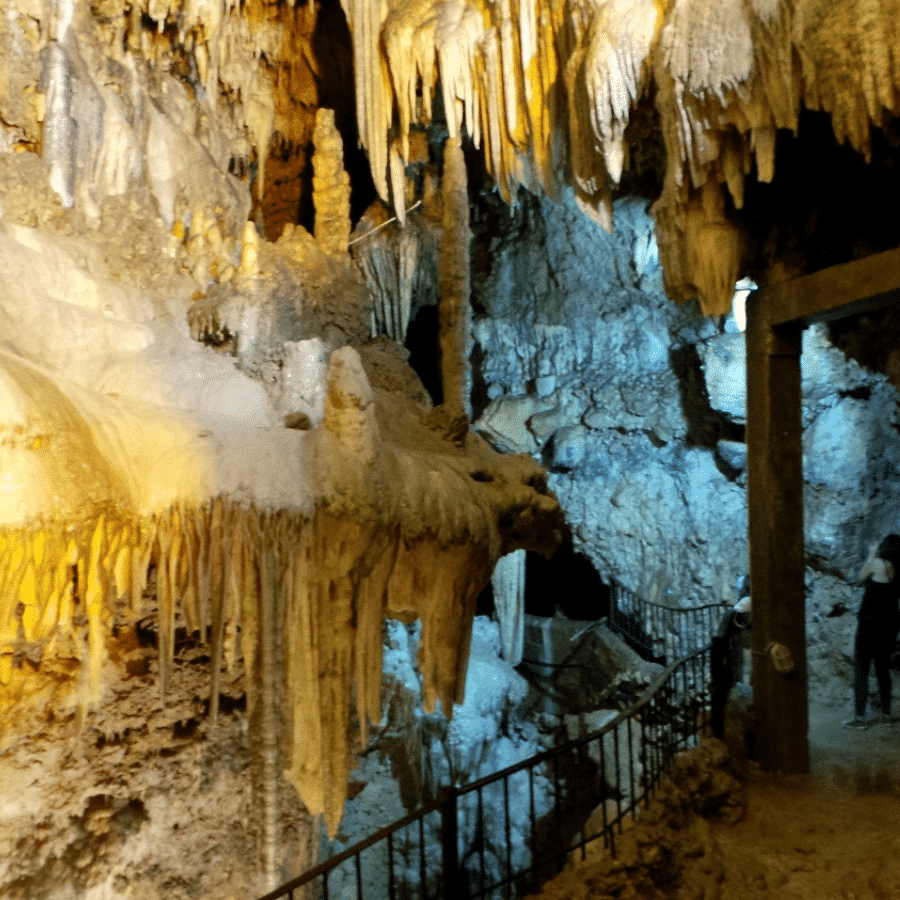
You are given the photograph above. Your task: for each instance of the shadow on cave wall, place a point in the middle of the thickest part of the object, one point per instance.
(705, 426)
(872, 340)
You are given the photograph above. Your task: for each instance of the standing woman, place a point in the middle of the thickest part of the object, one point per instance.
(876, 633)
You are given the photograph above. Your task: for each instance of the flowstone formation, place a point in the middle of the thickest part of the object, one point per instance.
(247, 513)
(637, 408)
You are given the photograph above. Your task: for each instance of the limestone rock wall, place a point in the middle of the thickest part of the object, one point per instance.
(637, 408)
(580, 347)
(851, 462)
(144, 800)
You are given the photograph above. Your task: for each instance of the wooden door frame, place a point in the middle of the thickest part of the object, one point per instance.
(776, 317)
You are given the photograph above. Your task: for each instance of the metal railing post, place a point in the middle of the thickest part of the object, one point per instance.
(671, 716)
(453, 881)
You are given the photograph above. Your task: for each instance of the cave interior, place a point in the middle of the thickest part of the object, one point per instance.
(340, 338)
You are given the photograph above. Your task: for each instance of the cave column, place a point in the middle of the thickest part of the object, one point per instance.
(775, 528)
(454, 315)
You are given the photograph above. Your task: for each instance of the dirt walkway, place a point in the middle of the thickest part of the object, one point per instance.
(832, 835)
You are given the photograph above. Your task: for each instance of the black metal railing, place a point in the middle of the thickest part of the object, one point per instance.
(662, 633)
(507, 833)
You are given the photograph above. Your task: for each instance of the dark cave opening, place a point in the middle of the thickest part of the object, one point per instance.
(288, 191)
(332, 46)
(565, 584)
(826, 203)
(424, 351)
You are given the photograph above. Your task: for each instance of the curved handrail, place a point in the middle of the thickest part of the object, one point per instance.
(447, 805)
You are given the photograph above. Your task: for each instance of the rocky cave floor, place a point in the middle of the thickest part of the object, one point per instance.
(830, 835)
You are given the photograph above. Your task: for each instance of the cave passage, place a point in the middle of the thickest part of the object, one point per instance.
(565, 583)
(424, 351)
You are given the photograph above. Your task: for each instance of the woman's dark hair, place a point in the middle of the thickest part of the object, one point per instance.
(889, 549)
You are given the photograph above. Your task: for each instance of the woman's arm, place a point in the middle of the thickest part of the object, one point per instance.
(868, 565)
(880, 569)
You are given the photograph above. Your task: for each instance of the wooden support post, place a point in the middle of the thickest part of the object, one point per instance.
(775, 510)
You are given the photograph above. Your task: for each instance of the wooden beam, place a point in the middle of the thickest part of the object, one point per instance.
(838, 291)
(775, 526)
(775, 320)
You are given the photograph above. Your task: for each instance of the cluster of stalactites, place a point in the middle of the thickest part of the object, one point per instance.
(519, 74)
(772, 58)
(298, 600)
(249, 63)
(516, 75)
(232, 46)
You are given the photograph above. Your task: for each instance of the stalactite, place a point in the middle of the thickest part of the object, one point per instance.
(522, 73)
(327, 576)
(59, 126)
(298, 594)
(373, 254)
(373, 112)
(508, 582)
(271, 583)
(408, 267)
(400, 266)
(546, 87)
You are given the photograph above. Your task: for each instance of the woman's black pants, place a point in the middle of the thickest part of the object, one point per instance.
(873, 644)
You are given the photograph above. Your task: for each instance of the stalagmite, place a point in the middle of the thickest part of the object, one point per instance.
(250, 250)
(331, 185)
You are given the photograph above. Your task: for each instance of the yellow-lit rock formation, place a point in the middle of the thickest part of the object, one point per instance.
(546, 88)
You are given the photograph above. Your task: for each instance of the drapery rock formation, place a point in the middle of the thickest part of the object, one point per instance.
(548, 89)
(152, 487)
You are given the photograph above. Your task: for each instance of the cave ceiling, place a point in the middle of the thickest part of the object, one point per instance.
(690, 101)
(569, 93)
